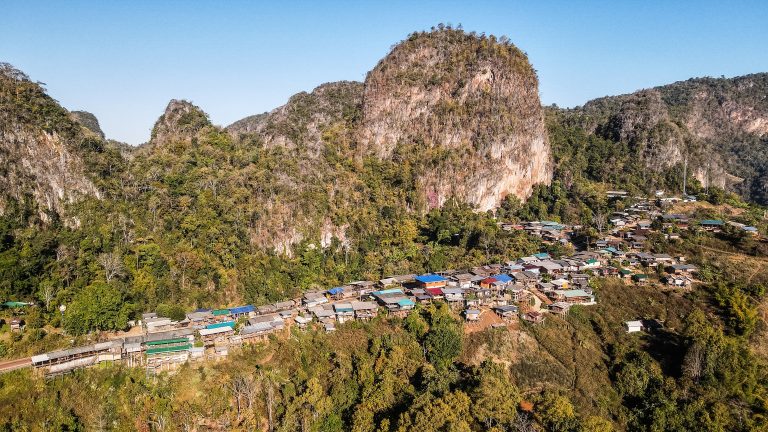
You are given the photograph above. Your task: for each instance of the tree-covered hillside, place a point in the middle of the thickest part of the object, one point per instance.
(355, 181)
(718, 126)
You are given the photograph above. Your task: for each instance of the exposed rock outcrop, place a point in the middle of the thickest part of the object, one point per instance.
(41, 154)
(469, 107)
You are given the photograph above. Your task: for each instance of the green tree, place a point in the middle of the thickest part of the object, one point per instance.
(495, 397)
(443, 345)
(99, 306)
(555, 412)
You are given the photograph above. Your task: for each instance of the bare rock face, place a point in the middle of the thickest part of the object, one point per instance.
(468, 107)
(464, 107)
(39, 148)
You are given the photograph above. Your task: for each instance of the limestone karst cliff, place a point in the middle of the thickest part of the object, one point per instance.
(42, 149)
(719, 125)
(464, 108)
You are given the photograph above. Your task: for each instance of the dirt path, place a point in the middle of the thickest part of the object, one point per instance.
(487, 319)
(10, 365)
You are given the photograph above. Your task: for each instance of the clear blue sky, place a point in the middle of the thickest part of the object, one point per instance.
(124, 61)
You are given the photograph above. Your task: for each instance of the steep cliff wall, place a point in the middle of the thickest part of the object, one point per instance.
(40, 148)
(467, 107)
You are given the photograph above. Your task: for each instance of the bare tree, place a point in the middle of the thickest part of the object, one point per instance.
(158, 421)
(269, 380)
(62, 253)
(523, 423)
(48, 292)
(599, 221)
(243, 389)
(112, 264)
(694, 361)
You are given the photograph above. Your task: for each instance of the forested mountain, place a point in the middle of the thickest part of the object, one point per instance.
(338, 184)
(718, 125)
(89, 121)
(47, 158)
(352, 180)
(357, 181)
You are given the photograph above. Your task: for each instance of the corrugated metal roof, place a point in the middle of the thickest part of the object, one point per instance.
(242, 309)
(711, 222)
(163, 350)
(502, 278)
(213, 331)
(429, 278)
(388, 291)
(230, 324)
(167, 341)
(405, 302)
(256, 328)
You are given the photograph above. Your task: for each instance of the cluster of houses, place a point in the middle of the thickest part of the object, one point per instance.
(528, 288)
(548, 231)
(211, 333)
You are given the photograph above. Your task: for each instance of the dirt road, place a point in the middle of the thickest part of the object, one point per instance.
(9, 365)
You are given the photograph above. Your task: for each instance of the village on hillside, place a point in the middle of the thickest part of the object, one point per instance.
(526, 289)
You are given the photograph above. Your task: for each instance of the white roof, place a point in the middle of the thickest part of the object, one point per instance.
(634, 323)
(213, 331)
(361, 305)
(303, 320)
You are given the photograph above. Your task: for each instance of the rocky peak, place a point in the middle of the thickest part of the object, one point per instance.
(89, 121)
(181, 121)
(465, 105)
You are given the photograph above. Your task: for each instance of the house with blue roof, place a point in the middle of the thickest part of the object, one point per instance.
(431, 281)
(242, 311)
(505, 278)
(336, 291)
